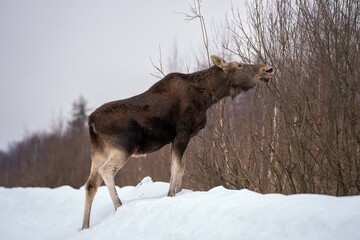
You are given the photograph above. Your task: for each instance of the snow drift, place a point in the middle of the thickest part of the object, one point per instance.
(42, 213)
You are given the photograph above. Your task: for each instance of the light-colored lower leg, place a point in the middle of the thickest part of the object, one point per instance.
(180, 178)
(91, 187)
(108, 171)
(92, 184)
(177, 173)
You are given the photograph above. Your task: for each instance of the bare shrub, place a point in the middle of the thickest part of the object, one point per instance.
(302, 133)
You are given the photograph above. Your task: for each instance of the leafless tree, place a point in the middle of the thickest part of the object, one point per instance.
(302, 133)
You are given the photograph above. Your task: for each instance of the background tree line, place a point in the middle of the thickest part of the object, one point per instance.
(300, 133)
(62, 157)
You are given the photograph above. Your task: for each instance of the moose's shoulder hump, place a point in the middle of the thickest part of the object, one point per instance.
(168, 81)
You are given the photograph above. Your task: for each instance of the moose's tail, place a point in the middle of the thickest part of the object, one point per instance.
(94, 135)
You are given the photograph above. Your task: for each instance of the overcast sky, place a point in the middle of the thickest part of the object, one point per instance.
(51, 52)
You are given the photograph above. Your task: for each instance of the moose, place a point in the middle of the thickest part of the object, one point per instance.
(171, 111)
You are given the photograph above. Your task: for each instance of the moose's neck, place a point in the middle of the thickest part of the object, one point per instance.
(212, 80)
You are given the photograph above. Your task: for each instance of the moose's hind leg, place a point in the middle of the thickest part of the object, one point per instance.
(91, 186)
(108, 170)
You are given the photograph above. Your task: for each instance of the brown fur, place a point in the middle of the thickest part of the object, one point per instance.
(172, 111)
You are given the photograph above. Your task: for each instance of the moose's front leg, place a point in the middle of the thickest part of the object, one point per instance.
(177, 164)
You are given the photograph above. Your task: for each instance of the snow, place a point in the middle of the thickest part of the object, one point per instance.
(147, 213)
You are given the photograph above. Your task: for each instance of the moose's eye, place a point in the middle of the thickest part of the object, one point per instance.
(239, 65)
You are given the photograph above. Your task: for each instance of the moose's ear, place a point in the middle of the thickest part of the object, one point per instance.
(218, 61)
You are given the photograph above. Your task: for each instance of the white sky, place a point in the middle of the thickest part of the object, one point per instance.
(51, 52)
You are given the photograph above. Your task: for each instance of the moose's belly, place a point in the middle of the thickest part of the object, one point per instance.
(152, 143)
(155, 136)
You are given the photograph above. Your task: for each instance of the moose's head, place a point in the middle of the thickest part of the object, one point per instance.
(243, 77)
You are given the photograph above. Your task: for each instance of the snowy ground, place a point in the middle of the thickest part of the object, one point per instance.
(42, 213)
